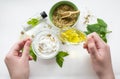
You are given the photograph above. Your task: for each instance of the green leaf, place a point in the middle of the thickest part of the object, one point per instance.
(100, 27)
(86, 32)
(60, 56)
(93, 28)
(104, 39)
(60, 61)
(33, 54)
(33, 22)
(101, 22)
(102, 30)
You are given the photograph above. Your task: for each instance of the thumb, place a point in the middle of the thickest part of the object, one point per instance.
(92, 47)
(26, 50)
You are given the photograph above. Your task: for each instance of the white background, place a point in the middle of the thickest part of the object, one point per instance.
(76, 66)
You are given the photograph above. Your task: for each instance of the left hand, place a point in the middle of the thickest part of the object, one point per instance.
(17, 61)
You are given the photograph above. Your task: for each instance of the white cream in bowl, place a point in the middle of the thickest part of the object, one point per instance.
(45, 44)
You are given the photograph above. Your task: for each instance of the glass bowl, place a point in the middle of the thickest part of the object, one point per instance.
(72, 36)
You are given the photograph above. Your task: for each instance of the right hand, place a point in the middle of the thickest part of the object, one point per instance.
(100, 55)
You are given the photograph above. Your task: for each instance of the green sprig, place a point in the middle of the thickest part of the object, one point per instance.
(100, 28)
(60, 57)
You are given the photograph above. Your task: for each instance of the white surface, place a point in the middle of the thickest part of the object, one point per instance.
(76, 66)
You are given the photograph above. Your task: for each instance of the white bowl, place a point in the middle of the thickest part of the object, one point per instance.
(37, 40)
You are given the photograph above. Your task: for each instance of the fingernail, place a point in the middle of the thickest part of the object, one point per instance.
(31, 57)
(28, 43)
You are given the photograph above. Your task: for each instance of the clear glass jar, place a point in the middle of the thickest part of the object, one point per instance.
(34, 21)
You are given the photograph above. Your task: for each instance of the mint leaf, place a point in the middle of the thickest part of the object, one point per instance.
(33, 54)
(60, 61)
(59, 57)
(62, 54)
(104, 38)
(33, 22)
(101, 22)
(100, 28)
(93, 28)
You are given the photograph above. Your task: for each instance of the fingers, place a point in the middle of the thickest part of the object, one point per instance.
(98, 41)
(92, 47)
(18, 46)
(25, 54)
(30, 58)
(94, 42)
(85, 46)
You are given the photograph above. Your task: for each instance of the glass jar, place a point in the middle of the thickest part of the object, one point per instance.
(34, 21)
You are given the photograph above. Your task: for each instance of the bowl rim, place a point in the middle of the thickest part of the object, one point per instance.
(58, 4)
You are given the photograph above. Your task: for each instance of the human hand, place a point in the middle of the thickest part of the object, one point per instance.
(100, 55)
(17, 61)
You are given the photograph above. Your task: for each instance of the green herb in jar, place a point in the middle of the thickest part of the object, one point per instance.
(33, 22)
